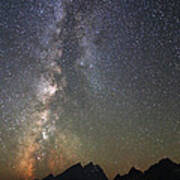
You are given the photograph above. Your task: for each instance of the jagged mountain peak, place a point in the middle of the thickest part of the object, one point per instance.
(165, 169)
(134, 171)
(166, 161)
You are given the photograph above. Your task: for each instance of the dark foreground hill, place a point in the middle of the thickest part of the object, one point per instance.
(165, 169)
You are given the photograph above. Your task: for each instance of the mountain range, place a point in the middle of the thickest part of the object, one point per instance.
(165, 169)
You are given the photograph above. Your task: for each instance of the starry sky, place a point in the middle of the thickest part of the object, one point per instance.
(85, 81)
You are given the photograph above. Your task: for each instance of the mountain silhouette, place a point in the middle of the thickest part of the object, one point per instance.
(133, 174)
(165, 169)
(78, 172)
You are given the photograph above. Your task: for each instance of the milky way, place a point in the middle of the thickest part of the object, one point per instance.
(88, 81)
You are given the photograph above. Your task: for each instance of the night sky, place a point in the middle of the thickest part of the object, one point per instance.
(88, 80)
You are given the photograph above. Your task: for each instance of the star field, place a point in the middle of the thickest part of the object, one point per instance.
(88, 81)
